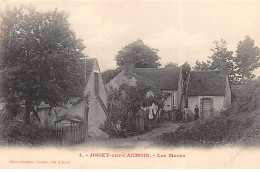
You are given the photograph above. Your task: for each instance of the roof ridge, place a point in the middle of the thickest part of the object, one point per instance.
(160, 68)
(206, 70)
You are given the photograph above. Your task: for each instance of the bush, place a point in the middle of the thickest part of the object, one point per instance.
(238, 124)
(18, 133)
(226, 112)
(247, 98)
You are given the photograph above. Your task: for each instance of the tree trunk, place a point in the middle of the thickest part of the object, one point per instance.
(28, 106)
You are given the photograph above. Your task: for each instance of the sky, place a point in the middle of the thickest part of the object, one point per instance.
(182, 31)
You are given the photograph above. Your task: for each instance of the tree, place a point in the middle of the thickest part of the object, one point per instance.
(126, 101)
(247, 59)
(171, 64)
(41, 59)
(220, 54)
(202, 65)
(145, 56)
(109, 74)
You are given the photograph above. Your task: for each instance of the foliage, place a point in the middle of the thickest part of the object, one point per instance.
(115, 104)
(132, 97)
(240, 66)
(202, 65)
(171, 64)
(125, 102)
(145, 56)
(237, 124)
(220, 54)
(30, 135)
(247, 59)
(236, 129)
(110, 74)
(158, 97)
(41, 59)
(248, 98)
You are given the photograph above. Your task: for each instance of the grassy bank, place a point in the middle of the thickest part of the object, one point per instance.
(238, 125)
(242, 129)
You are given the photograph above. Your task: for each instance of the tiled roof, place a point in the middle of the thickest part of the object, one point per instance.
(206, 83)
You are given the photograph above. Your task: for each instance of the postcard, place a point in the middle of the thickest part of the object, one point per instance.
(129, 84)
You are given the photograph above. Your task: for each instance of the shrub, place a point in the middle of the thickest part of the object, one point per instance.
(20, 133)
(247, 97)
(226, 112)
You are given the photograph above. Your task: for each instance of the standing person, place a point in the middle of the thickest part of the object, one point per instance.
(145, 116)
(153, 107)
(168, 111)
(178, 115)
(156, 114)
(185, 113)
(182, 114)
(196, 111)
(141, 116)
(136, 121)
(174, 114)
(150, 113)
(160, 110)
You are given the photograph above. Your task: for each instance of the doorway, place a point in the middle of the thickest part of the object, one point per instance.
(207, 105)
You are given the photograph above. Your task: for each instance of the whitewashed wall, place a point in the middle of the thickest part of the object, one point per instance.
(218, 102)
(96, 115)
(169, 101)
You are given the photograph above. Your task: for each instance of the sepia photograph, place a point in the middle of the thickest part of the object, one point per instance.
(129, 84)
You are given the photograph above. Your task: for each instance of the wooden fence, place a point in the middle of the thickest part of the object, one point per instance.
(73, 134)
(69, 134)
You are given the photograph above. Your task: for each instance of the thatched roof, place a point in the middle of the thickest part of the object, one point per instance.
(110, 74)
(162, 78)
(206, 83)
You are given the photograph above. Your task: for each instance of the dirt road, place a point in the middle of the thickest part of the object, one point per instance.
(141, 141)
(144, 140)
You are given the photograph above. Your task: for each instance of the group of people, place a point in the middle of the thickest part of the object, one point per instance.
(182, 115)
(149, 117)
(146, 118)
(153, 114)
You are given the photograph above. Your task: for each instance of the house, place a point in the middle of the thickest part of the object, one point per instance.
(168, 80)
(77, 111)
(210, 90)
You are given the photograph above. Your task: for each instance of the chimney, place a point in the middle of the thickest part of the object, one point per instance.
(129, 67)
(223, 68)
